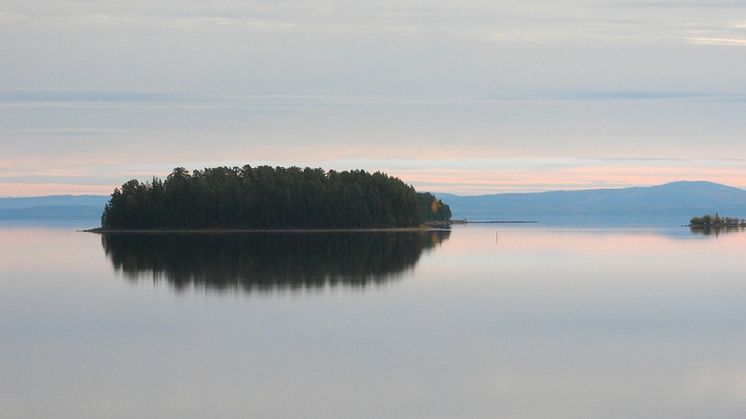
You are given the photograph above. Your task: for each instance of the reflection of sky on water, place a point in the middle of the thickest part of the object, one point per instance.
(494, 322)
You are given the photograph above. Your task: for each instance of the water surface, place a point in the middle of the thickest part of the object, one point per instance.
(486, 321)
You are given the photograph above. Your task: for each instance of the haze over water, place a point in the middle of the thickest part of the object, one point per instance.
(529, 321)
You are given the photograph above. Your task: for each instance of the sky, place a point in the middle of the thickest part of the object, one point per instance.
(469, 97)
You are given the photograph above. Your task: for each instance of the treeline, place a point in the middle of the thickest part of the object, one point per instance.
(716, 221)
(270, 197)
(432, 209)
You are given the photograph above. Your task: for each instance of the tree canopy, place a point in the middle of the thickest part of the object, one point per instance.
(267, 197)
(716, 221)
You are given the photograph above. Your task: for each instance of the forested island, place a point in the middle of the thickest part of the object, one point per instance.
(715, 221)
(266, 197)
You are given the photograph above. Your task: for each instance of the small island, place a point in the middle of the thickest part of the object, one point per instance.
(716, 221)
(270, 198)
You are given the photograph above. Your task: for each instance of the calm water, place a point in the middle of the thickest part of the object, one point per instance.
(488, 321)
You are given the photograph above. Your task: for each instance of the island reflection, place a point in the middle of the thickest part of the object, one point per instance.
(716, 230)
(264, 262)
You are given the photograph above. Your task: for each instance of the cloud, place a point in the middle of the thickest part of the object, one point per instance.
(495, 93)
(736, 42)
(64, 98)
(443, 174)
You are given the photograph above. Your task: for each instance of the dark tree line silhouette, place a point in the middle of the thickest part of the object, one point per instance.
(270, 197)
(716, 221)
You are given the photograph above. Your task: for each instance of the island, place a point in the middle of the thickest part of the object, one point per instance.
(270, 198)
(716, 221)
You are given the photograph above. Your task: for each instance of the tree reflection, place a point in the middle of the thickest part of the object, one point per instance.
(716, 231)
(268, 261)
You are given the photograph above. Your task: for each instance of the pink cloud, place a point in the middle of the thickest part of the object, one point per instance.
(38, 189)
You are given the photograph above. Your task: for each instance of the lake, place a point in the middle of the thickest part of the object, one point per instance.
(480, 322)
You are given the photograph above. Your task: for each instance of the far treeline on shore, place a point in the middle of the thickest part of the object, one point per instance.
(267, 197)
(715, 221)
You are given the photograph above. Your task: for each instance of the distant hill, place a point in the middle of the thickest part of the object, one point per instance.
(57, 207)
(678, 199)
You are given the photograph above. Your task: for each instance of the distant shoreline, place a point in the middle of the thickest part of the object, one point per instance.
(714, 225)
(264, 230)
(464, 221)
